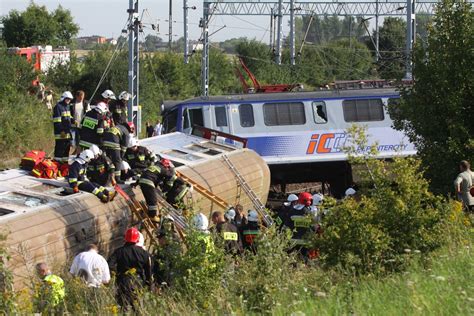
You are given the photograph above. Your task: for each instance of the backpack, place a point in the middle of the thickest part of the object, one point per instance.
(31, 159)
(47, 169)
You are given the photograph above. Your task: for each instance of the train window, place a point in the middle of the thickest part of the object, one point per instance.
(170, 121)
(193, 117)
(319, 112)
(221, 116)
(366, 110)
(246, 115)
(286, 113)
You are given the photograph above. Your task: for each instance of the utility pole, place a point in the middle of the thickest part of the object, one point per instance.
(279, 32)
(205, 51)
(170, 24)
(411, 31)
(186, 32)
(271, 29)
(292, 32)
(133, 65)
(376, 30)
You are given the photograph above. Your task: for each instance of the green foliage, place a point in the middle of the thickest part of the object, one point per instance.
(443, 92)
(7, 295)
(37, 26)
(397, 215)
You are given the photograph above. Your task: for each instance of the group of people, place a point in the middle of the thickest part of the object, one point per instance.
(106, 150)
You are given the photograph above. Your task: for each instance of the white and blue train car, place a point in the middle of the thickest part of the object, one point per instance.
(300, 135)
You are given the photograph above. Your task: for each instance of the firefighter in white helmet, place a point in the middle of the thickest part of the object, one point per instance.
(62, 122)
(251, 231)
(95, 122)
(119, 110)
(77, 178)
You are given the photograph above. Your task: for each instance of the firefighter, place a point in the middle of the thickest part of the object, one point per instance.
(78, 181)
(95, 122)
(282, 212)
(133, 268)
(100, 169)
(250, 231)
(177, 192)
(139, 157)
(119, 110)
(230, 216)
(156, 177)
(62, 122)
(115, 142)
(300, 222)
(201, 224)
(228, 233)
(51, 292)
(125, 171)
(240, 218)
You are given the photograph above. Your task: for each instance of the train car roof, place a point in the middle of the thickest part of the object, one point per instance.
(256, 97)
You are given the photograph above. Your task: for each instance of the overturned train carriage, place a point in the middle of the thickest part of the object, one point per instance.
(42, 225)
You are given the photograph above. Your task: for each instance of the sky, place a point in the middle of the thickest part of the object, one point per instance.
(107, 17)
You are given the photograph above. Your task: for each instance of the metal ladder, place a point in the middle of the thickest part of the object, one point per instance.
(260, 208)
(203, 191)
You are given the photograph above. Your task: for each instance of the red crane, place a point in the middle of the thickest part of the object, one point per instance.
(257, 87)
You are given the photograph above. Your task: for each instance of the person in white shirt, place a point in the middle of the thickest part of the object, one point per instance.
(158, 128)
(463, 184)
(91, 267)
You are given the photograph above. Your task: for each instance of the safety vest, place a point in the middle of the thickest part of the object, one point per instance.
(56, 289)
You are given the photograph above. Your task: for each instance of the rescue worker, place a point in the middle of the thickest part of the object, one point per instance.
(463, 185)
(177, 192)
(350, 192)
(228, 233)
(250, 231)
(240, 219)
(62, 122)
(156, 177)
(139, 157)
(77, 178)
(125, 171)
(171, 247)
(119, 109)
(316, 208)
(50, 295)
(283, 211)
(115, 142)
(300, 222)
(100, 169)
(95, 122)
(201, 224)
(133, 268)
(230, 216)
(91, 267)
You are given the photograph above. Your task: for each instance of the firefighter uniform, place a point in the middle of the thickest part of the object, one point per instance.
(177, 192)
(134, 271)
(76, 179)
(62, 122)
(50, 295)
(153, 178)
(250, 231)
(92, 128)
(230, 236)
(299, 221)
(100, 170)
(139, 158)
(115, 141)
(119, 112)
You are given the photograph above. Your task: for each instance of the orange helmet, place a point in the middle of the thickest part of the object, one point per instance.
(305, 199)
(132, 235)
(165, 162)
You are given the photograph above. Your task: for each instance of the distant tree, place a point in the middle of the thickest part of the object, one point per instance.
(36, 26)
(230, 45)
(437, 113)
(151, 42)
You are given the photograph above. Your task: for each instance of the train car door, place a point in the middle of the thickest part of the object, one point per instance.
(220, 119)
(195, 116)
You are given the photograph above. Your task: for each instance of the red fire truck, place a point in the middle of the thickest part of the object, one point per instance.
(43, 58)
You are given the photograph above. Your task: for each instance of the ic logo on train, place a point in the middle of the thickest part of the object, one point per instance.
(326, 143)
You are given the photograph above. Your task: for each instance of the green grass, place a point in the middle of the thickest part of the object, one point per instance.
(444, 287)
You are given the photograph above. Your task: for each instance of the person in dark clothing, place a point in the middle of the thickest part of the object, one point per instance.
(177, 192)
(62, 128)
(95, 122)
(133, 268)
(250, 231)
(119, 110)
(115, 142)
(139, 157)
(77, 181)
(156, 177)
(240, 219)
(284, 210)
(101, 170)
(149, 129)
(228, 233)
(300, 223)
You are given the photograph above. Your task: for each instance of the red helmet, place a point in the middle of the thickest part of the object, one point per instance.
(132, 235)
(165, 162)
(132, 126)
(305, 198)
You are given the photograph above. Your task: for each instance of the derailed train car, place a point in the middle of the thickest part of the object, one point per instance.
(41, 224)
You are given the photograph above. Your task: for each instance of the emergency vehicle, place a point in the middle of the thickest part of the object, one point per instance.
(43, 58)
